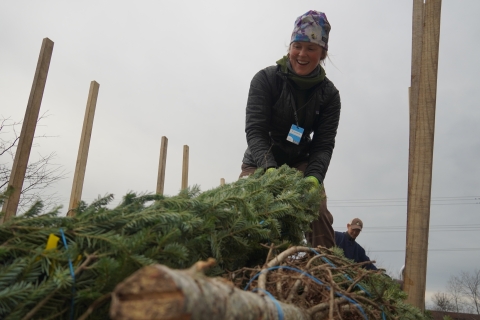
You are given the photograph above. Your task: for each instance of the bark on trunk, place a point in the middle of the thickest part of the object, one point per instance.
(157, 292)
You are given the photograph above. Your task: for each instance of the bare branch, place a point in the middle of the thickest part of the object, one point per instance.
(471, 287)
(442, 302)
(40, 174)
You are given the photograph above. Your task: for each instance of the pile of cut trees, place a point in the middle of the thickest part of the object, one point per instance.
(233, 252)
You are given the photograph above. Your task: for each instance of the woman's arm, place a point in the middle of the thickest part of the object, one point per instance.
(257, 121)
(323, 140)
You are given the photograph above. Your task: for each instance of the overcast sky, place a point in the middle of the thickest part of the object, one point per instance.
(182, 69)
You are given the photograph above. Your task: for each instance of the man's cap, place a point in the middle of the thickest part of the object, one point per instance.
(356, 223)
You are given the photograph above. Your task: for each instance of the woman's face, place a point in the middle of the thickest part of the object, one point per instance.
(304, 57)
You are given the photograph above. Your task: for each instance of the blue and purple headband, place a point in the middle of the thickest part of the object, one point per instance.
(312, 26)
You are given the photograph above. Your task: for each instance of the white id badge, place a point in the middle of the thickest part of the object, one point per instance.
(295, 134)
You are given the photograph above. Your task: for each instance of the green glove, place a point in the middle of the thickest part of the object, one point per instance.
(270, 170)
(314, 181)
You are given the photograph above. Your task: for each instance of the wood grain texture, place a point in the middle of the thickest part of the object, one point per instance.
(81, 164)
(185, 167)
(157, 292)
(22, 154)
(419, 193)
(162, 163)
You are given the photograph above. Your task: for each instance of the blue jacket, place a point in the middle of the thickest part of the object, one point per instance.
(352, 249)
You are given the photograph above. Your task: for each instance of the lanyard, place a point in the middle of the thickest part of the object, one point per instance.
(294, 107)
(295, 114)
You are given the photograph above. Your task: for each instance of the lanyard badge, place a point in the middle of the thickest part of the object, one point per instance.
(295, 134)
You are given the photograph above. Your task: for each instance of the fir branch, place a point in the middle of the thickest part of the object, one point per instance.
(103, 299)
(10, 296)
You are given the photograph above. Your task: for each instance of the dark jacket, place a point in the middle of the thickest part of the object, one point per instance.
(352, 249)
(270, 115)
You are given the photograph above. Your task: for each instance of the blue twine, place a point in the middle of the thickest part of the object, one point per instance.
(277, 304)
(350, 279)
(315, 280)
(346, 276)
(72, 273)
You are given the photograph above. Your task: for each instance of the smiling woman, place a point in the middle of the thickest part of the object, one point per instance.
(292, 116)
(304, 57)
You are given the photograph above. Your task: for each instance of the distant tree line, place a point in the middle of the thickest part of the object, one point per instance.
(462, 294)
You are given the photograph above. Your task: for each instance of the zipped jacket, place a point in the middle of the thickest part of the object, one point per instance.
(352, 249)
(270, 115)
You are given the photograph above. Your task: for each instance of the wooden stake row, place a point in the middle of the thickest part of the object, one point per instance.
(163, 162)
(22, 154)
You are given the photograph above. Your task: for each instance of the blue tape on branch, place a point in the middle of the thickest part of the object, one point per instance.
(72, 273)
(315, 280)
(277, 304)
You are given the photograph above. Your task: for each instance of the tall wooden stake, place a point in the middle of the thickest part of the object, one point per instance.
(20, 162)
(222, 181)
(80, 167)
(162, 165)
(417, 44)
(185, 167)
(421, 154)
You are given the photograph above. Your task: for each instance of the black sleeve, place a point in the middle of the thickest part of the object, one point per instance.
(323, 140)
(363, 257)
(257, 121)
(338, 238)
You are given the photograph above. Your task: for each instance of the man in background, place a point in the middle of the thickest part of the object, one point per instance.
(352, 250)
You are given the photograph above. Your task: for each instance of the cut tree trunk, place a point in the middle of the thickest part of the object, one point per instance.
(157, 292)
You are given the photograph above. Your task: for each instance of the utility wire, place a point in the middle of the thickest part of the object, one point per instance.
(405, 199)
(433, 228)
(430, 250)
(402, 202)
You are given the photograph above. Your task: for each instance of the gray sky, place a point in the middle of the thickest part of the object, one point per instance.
(182, 69)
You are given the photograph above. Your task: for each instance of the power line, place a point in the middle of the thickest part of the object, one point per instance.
(433, 228)
(405, 199)
(399, 205)
(430, 250)
(402, 202)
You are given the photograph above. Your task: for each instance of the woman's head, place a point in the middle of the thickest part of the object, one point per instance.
(309, 42)
(304, 56)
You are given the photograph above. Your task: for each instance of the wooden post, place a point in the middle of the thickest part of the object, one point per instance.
(222, 181)
(20, 162)
(417, 44)
(162, 165)
(80, 167)
(185, 167)
(420, 170)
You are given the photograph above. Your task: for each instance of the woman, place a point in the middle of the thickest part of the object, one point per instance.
(286, 104)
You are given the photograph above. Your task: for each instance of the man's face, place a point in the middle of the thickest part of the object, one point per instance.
(353, 232)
